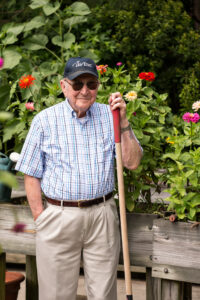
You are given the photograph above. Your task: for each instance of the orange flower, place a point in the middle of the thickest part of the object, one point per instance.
(26, 81)
(102, 68)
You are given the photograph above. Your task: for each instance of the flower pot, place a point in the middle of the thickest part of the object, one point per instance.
(12, 283)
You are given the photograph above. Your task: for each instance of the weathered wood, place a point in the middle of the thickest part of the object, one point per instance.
(31, 278)
(140, 236)
(176, 251)
(2, 275)
(176, 273)
(162, 289)
(11, 241)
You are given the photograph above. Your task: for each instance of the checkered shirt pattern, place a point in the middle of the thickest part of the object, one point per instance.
(74, 157)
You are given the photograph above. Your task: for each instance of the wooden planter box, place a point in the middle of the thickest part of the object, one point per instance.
(168, 251)
(176, 248)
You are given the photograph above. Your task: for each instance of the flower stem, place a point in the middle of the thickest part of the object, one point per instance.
(54, 54)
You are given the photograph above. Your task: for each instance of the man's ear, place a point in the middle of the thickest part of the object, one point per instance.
(63, 85)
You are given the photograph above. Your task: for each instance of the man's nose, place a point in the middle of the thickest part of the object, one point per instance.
(84, 89)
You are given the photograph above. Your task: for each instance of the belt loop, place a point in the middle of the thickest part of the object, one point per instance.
(62, 207)
(104, 200)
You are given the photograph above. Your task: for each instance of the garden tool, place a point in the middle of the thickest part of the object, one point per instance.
(122, 205)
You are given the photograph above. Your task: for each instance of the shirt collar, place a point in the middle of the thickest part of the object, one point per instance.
(73, 113)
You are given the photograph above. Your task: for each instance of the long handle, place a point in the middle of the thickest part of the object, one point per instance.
(122, 204)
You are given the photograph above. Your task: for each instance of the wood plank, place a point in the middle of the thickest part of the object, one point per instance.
(140, 236)
(2, 275)
(13, 242)
(176, 273)
(176, 244)
(31, 278)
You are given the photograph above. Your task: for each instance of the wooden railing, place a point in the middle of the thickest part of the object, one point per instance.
(168, 251)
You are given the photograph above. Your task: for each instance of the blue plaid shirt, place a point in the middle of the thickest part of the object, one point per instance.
(74, 157)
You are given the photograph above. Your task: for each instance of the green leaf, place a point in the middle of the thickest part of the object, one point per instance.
(49, 9)
(36, 42)
(4, 96)
(8, 179)
(9, 39)
(74, 20)
(192, 213)
(4, 116)
(36, 22)
(14, 126)
(69, 39)
(148, 91)
(38, 3)
(16, 29)
(80, 9)
(11, 58)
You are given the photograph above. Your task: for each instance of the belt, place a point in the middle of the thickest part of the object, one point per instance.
(80, 203)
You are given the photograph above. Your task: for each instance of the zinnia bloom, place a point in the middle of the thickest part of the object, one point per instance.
(26, 81)
(196, 105)
(19, 227)
(119, 64)
(130, 96)
(1, 62)
(102, 68)
(190, 117)
(149, 76)
(29, 105)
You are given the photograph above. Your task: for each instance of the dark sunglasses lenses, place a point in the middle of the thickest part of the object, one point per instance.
(78, 85)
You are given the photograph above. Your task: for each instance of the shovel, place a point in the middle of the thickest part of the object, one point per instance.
(122, 205)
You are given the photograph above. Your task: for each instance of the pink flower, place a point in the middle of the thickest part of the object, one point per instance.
(1, 62)
(190, 117)
(119, 64)
(29, 105)
(19, 227)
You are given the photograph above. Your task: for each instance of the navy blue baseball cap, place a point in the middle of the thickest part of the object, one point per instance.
(77, 66)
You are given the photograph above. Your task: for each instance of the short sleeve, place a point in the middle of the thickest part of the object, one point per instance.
(31, 158)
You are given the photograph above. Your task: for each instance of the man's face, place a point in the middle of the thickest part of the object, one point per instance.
(82, 99)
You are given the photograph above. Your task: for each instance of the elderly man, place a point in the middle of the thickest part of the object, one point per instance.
(68, 156)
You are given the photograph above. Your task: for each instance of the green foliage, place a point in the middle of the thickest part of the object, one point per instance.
(157, 36)
(150, 118)
(182, 162)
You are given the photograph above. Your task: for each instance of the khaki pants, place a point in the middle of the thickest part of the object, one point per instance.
(64, 235)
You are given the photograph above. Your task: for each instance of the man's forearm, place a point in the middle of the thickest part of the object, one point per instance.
(131, 150)
(34, 195)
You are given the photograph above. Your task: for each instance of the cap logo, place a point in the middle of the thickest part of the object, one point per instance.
(79, 64)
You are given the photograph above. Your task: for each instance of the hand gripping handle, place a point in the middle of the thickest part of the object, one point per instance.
(116, 123)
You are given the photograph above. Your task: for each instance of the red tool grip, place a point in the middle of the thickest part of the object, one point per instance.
(116, 123)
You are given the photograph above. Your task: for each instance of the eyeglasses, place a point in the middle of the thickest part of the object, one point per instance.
(78, 85)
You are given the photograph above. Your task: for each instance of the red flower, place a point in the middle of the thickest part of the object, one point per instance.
(149, 76)
(29, 105)
(26, 81)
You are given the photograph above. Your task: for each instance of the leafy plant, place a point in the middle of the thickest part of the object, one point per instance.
(183, 169)
(150, 119)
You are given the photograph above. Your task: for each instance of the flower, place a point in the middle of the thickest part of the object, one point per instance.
(130, 96)
(1, 62)
(149, 76)
(102, 68)
(119, 64)
(196, 106)
(29, 105)
(168, 141)
(190, 117)
(26, 81)
(19, 227)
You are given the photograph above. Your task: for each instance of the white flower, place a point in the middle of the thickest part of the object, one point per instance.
(196, 106)
(130, 96)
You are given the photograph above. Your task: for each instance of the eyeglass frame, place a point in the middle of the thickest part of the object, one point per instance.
(95, 81)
